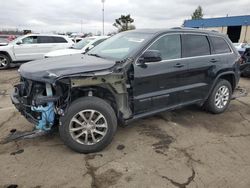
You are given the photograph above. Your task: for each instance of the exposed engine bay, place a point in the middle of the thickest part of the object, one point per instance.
(44, 103)
(36, 102)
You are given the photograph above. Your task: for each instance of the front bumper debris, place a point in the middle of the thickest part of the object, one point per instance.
(239, 92)
(39, 110)
(17, 135)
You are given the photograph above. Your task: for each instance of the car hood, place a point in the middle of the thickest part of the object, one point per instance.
(5, 47)
(3, 43)
(63, 52)
(51, 69)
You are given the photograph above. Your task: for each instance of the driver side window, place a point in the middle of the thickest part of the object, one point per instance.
(169, 46)
(30, 40)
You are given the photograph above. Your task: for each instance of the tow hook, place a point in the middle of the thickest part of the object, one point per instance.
(239, 92)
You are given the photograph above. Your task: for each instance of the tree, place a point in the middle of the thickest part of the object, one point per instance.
(197, 14)
(124, 23)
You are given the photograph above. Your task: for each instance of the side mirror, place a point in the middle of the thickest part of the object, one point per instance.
(150, 56)
(89, 48)
(18, 42)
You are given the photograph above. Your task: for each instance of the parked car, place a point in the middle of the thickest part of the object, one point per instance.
(11, 38)
(31, 47)
(244, 51)
(131, 75)
(76, 39)
(3, 42)
(80, 47)
(240, 47)
(245, 67)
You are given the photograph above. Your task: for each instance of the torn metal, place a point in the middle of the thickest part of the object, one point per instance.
(239, 92)
(43, 98)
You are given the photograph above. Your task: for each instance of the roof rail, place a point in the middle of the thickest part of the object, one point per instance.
(183, 28)
(177, 28)
(212, 30)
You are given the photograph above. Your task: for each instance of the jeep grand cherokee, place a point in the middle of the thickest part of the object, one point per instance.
(129, 76)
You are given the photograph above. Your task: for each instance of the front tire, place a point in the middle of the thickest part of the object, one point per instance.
(89, 125)
(220, 97)
(4, 61)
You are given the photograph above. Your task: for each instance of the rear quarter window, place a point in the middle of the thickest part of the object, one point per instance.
(59, 40)
(195, 45)
(220, 45)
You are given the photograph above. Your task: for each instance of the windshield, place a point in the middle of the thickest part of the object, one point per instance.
(121, 45)
(82, 43)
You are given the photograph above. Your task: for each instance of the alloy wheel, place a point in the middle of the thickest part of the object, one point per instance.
(222, 97)
(88, 127)
(3, 61)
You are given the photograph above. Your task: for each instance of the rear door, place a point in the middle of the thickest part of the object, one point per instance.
(46, 44)
(61, 42)
(196, 52)
(221, 51)
(50, 43)
(157, 85)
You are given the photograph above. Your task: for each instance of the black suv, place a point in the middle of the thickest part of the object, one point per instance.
(129, 76)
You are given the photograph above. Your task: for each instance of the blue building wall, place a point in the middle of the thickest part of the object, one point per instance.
(219, 22)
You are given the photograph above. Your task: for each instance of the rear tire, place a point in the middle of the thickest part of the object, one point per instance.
(82, 131)
(4, 61)
(220, 97)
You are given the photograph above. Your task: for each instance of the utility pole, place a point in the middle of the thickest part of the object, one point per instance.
(103, 1)
(81, 25)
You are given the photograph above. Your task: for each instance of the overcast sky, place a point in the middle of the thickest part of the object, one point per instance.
(66, 15)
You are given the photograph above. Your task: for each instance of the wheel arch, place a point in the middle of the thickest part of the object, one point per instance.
(229, 76)
(7, 54)
(118, 101)
(96, 91)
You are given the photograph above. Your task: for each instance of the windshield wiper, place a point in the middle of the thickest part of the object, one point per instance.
(96, 55)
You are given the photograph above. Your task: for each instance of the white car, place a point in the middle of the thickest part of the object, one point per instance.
(3, 42)
(81, 47)
(31, 47)
(240, 46)
(76, 39)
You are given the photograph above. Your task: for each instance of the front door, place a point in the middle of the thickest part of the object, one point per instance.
(27, 50)
(157, 85)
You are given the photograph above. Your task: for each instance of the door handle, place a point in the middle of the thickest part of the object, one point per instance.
(178, 65)
(213, 60)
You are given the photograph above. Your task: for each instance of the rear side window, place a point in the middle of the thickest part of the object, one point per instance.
(59, 40)
(195, 45)
(169, 46)
(45, 39)
(220, 45)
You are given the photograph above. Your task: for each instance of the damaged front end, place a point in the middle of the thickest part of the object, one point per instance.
(35, 101)
(44, 102)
